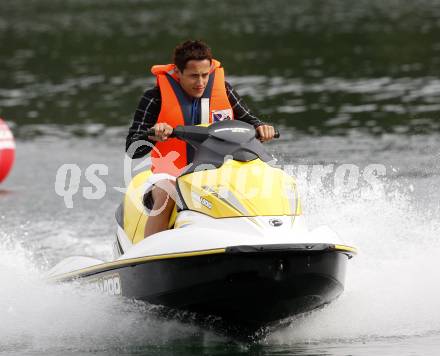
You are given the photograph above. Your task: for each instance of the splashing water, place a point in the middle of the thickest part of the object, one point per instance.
(390, 289)
(44, 317)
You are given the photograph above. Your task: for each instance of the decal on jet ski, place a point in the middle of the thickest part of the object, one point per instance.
(198, 199)
(221, 115)
(275, 222)
(206, 203)
(110, 284)
(233, 129)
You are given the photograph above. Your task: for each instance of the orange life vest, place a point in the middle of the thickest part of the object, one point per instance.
(171, 156)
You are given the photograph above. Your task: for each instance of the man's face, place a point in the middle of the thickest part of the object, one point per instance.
(194, 77)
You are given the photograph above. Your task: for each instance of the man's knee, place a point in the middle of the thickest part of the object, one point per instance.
(160, 199)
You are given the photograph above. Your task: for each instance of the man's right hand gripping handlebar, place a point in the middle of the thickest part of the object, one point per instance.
(160, 132)
(266, 133)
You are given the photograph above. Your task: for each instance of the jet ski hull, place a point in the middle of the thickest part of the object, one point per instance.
(248, 285)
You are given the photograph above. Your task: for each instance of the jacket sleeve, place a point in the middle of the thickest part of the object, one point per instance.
(241, 110)
(144, 118)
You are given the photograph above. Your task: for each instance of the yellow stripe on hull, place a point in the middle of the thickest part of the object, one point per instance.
(123, 263)
(139, 260)
(346, 248)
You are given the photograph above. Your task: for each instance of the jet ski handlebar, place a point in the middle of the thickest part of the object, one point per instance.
(199, 133)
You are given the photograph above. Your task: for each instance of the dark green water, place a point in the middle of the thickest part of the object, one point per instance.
(317, 66)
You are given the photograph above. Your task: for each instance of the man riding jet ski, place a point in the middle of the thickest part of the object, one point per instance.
(189, 92)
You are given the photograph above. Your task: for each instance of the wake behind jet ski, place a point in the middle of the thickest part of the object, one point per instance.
(237, 248)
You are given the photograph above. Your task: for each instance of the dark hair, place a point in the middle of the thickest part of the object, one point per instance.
(189, 50)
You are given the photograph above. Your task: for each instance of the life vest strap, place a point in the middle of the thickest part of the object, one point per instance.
(204, 115)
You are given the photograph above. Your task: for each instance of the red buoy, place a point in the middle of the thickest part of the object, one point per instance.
(7, 150)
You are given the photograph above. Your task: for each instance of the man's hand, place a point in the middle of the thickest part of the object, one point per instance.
(265, 132)
(161, 132)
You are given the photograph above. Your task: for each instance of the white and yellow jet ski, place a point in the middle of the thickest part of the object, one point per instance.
(237, 246)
